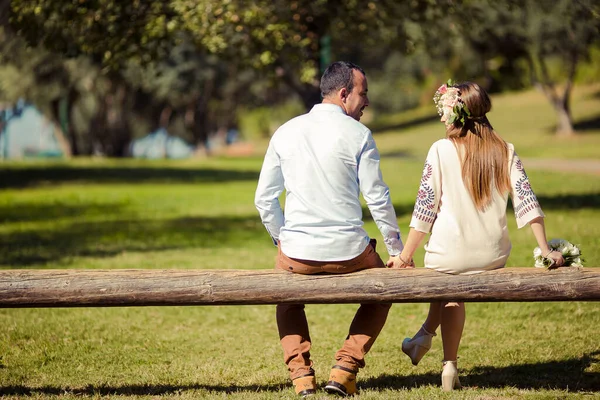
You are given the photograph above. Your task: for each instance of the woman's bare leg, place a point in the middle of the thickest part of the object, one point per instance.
(452, 322)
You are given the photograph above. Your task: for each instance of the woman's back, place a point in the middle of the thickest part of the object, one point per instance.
(463, 238)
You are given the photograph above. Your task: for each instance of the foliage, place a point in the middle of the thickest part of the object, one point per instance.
(262, 122)
(407, 75)
(288, 40)
(588, 71)
(30, 72)
(112, 32)
(513, 38)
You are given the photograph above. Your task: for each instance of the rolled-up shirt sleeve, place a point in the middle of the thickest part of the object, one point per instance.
(377, 196)
(524, 200)
(269, 188)
(428, 196)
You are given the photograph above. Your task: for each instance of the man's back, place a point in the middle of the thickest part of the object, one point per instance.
(319, 154)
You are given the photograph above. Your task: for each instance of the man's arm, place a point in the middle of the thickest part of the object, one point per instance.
(266, 199)
(377, 196)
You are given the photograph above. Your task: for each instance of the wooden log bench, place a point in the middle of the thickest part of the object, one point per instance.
(119, 287)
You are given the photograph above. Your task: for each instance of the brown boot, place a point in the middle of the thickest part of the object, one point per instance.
(305, 385)
(342, 381)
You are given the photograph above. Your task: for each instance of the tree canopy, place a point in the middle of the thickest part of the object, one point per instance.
(200, 60)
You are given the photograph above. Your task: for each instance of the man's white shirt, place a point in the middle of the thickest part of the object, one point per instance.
(323, 160)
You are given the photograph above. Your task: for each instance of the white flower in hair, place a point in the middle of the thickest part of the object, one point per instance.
(448, 102)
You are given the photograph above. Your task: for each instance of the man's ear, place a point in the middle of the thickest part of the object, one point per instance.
(343, 94)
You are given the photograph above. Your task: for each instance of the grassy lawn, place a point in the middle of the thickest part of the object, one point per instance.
(199, 214)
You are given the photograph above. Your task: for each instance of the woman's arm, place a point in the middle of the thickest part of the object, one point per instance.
(539, 231)
(404, 259)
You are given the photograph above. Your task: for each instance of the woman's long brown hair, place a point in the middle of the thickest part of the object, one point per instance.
(484, 154)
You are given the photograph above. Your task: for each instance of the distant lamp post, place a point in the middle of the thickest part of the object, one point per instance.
(325, 52)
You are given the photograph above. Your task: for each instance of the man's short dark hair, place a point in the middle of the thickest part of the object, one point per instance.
(337, 76)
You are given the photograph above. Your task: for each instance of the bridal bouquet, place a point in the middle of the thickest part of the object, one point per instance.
(570, 253)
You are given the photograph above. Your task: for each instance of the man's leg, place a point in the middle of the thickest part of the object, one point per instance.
(293, 331)
(295, 339)
(366, 326)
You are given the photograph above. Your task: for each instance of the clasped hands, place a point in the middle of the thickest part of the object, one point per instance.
(397, 262)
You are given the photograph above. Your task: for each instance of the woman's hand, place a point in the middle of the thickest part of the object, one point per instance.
(398, 262)
(556, 258)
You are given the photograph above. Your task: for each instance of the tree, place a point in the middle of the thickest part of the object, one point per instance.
(192, 82)
(27, 73)
(564, 30)
(110, 31)
(291, 41)
(285, 40)
(539, 32)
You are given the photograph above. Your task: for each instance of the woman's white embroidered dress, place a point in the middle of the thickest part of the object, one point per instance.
(463, 239)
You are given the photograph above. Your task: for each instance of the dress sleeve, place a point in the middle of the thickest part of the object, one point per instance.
(524, 201)
(430, 191)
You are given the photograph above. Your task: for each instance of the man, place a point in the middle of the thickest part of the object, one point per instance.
(324, 159)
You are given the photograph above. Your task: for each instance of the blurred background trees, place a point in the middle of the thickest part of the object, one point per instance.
(107, 71)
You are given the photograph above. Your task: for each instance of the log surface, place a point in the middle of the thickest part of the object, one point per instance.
(113, 288)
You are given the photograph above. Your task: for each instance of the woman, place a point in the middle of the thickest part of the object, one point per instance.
(462, 201)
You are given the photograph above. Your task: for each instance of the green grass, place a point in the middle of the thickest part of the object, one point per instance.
(200, 214)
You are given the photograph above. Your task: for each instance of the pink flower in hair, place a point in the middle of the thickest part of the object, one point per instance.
(449, 104)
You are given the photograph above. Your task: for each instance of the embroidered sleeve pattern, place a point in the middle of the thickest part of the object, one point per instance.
(425, 197)
(425, 211)
(524, 200)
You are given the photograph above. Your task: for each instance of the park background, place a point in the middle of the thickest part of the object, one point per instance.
(200, 86)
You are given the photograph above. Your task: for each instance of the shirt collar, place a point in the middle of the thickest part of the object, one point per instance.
(330, 107)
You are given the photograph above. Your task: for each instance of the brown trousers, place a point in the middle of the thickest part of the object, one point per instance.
(293, 326)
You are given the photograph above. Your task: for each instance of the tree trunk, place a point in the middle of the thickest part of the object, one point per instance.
(201, 121)
(118, 123)
(564, 126)
(112, 288)
(63, 115)
(563, 107)
(201, 126)
(561, 104)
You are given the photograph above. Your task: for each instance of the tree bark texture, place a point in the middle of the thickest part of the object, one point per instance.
(113, 288)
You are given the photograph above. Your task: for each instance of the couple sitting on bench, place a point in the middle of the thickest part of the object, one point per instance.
(326, 158)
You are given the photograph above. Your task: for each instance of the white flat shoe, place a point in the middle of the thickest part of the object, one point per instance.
(416, 347)
(450, 379)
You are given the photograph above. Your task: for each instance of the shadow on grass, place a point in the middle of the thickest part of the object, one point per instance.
(570, 201)
(16, 177)
(133, 390)
(566, 375)
(589, 124)
(566, 202)
(383, 127)
(401, 210)
(397, 154)
(109, 238)
(49, 212)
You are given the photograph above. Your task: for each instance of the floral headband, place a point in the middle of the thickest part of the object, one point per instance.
(448, 102)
